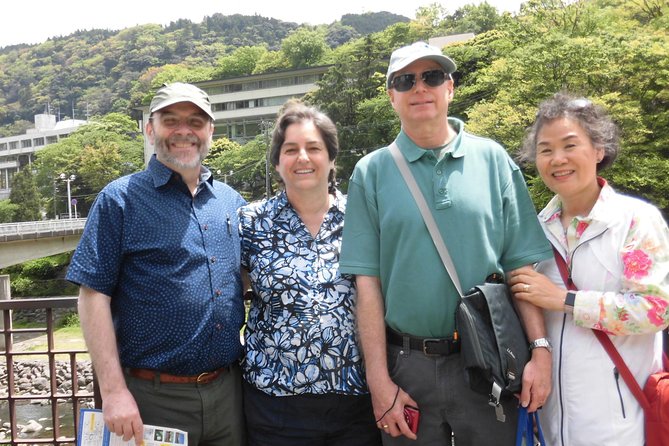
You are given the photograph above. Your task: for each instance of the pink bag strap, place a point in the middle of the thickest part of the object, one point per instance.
(606, 342)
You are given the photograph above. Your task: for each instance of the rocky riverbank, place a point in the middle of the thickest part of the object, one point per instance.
(32, 378)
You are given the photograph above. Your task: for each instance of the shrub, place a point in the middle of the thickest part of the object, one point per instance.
(44, 268)
(20, 286)
(71, 320)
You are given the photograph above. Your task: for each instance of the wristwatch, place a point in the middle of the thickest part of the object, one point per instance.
(569, 302)
(541, 343)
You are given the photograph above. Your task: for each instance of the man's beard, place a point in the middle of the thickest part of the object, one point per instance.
(164, 155)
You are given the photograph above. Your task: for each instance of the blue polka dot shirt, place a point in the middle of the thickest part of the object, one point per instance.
(170, 263)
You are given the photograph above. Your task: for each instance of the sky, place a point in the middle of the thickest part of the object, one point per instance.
(37, 20)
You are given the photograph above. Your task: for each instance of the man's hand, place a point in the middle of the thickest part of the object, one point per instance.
(536, 380)
(389, 401)
(121, 416)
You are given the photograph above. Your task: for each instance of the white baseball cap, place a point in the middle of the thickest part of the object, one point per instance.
(407, 55)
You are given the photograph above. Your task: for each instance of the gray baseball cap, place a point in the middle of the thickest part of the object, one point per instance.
(170, 94)
(407, 55)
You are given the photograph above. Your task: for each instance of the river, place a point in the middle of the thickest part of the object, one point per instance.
(42, 414)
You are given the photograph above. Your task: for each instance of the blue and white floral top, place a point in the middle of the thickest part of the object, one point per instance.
(300, 334)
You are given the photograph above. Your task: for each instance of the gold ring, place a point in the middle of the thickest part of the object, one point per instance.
(385, 426)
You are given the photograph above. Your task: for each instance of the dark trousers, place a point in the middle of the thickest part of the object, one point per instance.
(210, 413)
(447, 405)
(309, 420)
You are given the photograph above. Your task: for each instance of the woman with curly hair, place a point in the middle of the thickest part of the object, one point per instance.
(616, 250)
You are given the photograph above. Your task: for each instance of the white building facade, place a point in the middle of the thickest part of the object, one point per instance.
(19, 151)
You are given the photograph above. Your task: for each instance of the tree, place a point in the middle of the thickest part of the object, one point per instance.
(474, 19)
(25, 196)
(17, 128)
(241, 62)
(247, 164)
(271, 61)
(609, 66)
(339, 34)
(304, 48)
(7, 211)
(96, 153)
(354, 78)
(371, 22)
(218, 148)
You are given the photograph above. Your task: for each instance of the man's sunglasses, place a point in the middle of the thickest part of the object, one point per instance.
(432, 78)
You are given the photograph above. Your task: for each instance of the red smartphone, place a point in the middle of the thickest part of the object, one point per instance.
(411, 415)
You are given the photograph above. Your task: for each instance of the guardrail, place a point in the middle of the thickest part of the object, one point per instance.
(39, 229)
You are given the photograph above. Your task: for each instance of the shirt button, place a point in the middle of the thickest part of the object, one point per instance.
(218, 292)
(213, 260)
(438, 172)
(218, 326)
(442, 191)
(205, 227)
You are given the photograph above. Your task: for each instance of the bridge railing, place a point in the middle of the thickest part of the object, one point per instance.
(37, 229)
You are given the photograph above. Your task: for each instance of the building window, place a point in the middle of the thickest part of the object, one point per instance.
(38, 142)
(13, 145)
(26, 143)
(51, 139)
(252, 128)
(10, 177)
(3, 146)
(262, 84)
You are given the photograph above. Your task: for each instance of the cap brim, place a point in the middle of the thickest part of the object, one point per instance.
(176, 100)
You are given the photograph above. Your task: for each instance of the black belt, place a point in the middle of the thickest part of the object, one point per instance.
(429, 346)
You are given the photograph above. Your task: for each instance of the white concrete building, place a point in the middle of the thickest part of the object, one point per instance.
(18, 151)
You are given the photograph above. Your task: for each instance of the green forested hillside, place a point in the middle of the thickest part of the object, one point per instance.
(615, 52)
(100, 71)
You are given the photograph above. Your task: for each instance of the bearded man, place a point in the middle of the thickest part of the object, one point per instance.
(160, 297)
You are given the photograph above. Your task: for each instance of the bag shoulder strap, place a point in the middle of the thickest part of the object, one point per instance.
(606, 342)
(428, 218)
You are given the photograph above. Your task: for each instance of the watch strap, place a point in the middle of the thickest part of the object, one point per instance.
(569, 302)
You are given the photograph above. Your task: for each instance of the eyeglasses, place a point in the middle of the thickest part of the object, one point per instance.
(171, 121)
(432, 78)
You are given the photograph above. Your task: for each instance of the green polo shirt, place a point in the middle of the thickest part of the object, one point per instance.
(478, 197)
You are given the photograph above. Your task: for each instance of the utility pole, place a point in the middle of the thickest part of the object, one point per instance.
(55, 212)
(268, 183)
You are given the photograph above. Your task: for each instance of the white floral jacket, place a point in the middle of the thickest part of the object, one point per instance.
(619, 258)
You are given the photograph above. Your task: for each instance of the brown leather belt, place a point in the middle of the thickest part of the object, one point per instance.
(429, 346)
(202, 378)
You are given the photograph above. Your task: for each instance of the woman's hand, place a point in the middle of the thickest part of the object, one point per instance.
(530, 286)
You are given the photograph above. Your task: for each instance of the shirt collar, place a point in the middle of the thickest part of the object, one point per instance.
(412, 152)
(162, 175)
(601, 211)
(281, 203)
